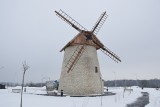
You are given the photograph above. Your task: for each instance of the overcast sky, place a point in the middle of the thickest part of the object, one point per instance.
(30, 30)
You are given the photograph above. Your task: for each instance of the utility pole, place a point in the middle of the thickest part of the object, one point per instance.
(25, 68)
(115, 79)
(136, 80)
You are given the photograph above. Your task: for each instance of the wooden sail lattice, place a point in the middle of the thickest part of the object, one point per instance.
(70, 20)
(80, 48)
(74, 58)
(112, 55)
(106, 51)
(99, 23)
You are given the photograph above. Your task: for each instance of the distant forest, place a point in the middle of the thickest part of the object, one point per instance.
(153, 83)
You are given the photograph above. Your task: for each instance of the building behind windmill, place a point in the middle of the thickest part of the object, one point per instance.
(80, 75)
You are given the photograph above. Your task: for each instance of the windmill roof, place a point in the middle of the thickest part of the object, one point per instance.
(81, 39)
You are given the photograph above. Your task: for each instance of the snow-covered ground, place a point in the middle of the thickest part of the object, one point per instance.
(33, 97)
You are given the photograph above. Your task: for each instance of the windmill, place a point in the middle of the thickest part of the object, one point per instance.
(80, 73)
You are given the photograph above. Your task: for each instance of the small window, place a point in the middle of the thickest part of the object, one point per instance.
(96, 69)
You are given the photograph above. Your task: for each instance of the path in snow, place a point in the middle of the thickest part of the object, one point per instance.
(141, 101)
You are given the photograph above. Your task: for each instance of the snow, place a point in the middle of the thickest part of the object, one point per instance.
(36, 97)
(154, 97)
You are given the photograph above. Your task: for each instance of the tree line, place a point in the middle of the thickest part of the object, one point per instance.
(152, 83)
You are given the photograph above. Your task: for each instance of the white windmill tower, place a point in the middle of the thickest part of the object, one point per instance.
(80, 73)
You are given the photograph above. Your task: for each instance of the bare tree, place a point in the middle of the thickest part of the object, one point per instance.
(25, 68)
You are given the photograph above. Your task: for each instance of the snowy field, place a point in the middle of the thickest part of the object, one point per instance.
(35, 97)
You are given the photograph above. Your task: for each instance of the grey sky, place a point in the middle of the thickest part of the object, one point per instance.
(30, 30)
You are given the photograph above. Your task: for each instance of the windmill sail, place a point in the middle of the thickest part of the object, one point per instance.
(90, 36)
(74, 58)
(99, 23)
(106, 50)
(70, 21)
(109, 53)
